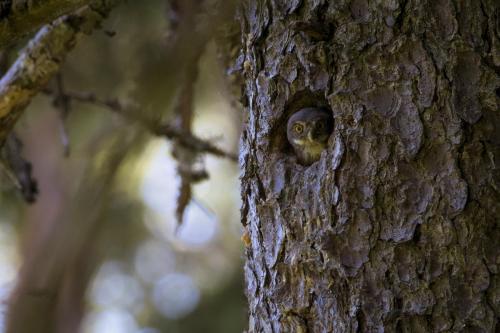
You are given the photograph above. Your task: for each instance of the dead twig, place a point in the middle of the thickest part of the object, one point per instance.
(17, 169)
(62, 103)
(166, 130)
(182, 18)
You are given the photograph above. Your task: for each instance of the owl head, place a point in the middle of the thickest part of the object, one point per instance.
(308, 131)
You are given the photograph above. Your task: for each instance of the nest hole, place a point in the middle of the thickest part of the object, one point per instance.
(300, 100)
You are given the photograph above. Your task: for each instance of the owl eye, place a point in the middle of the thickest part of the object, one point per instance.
(320, 126)
(298, 128)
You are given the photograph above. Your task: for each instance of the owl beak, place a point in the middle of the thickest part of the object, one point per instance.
(310, 136)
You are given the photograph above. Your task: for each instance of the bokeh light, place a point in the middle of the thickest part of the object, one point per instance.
(175, 295)
(153, 260)
(113, 287)
(9, 265)
(8, 254)
(113, 320)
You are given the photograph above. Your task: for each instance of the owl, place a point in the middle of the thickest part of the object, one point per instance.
(308, 131)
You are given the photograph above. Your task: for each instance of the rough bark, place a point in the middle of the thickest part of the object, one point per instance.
(396, 228)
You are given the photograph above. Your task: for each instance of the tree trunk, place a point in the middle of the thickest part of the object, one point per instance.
(396, 227)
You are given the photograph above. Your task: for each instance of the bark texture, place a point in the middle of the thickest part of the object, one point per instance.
(396, 228)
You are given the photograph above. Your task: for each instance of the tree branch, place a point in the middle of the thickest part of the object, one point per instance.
(168, 131)
(191, 141)
(19, 18)
(42, 58)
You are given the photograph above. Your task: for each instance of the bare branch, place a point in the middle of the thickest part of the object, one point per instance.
(183, 20)
(19, 18)
(190, 141)
(62, 103)
(17, 168)
(42, 58)
(168, 131)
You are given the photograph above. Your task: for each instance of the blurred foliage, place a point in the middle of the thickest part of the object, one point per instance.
(108, 64)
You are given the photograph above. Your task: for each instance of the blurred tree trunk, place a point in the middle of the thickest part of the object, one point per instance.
(396, 228)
